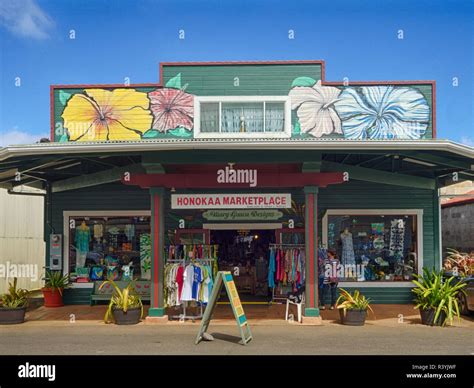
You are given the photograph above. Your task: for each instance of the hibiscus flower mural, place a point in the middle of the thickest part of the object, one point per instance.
(315, 108)
(100, 114)
(172, 108)
(383, 112)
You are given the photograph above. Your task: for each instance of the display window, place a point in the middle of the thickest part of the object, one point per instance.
(109, 247)
(376, 246)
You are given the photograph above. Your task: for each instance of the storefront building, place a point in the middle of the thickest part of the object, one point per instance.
(251, 158)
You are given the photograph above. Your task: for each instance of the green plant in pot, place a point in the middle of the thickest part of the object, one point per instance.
(14, 304)
(353, 308)
(55, 283)
(437, 297)
(125, 307)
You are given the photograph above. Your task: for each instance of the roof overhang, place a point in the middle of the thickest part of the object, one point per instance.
(280, 144)
(68, 166)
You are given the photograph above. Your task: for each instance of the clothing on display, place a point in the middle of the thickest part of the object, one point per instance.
(188, 274)
(397, 237)
(130, 231)
(286, 267)
(383, 246)
(98, 230)
(81, 259)
(82, 238)
(192, 282)
(348, 257)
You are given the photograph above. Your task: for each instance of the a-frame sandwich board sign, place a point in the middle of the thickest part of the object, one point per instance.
(225, 278)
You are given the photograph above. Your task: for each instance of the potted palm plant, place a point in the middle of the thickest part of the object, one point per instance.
(352, 308)
(125, 307)
(437, 297)
(14, 304)
(460, 265)
(55, 283)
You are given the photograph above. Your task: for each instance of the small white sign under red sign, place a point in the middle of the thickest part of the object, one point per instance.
(231, 201)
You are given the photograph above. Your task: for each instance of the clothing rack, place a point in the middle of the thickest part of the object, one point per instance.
(186, 261)
(283, 297)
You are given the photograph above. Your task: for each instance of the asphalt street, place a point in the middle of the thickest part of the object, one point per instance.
(94, 338)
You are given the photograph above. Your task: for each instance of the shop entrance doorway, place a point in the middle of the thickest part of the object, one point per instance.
(244, 252)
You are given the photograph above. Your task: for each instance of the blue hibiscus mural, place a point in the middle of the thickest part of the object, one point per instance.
(383, 112)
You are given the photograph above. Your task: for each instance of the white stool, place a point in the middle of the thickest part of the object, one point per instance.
(298, 306)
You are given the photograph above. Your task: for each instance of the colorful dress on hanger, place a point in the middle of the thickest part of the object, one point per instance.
(348, 257)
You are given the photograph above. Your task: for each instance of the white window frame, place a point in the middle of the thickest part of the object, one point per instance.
(382, 212)
(286, 133)
(67, 214)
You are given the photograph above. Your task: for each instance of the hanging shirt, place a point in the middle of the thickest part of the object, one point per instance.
(188, 279)
(278, 267)
(197, 279)
(271, 269)
(180, 280)
(210, 285)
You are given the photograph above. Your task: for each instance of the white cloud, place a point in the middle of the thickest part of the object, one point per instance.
(25, 18)
(15, 136)
(467, 141)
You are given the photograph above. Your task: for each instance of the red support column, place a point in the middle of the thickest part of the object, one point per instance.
(311, 234)
(157, 261)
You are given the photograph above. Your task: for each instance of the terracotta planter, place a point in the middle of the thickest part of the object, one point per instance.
(353, 317)
(11, 316)
(52, 298)
(427, 317)
(131, 317)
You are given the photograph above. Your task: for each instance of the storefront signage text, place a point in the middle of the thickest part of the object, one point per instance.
(235, 215)
(231, 175)
(230, 201)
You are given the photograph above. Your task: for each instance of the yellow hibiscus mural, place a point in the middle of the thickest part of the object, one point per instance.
(99, 114)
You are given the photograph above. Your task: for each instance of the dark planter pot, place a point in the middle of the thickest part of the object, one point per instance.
(427, 317)
(353, 317)
(131, 317)
(52, 298)
(11, 316)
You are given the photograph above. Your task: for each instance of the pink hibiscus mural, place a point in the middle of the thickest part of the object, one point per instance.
(172, 108)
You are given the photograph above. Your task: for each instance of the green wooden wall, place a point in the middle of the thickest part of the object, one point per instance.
(252, 79)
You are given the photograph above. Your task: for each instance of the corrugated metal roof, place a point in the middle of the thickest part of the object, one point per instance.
(238, 143)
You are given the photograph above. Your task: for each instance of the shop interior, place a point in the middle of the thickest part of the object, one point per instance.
(245, 254)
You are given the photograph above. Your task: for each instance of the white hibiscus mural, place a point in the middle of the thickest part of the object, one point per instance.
(383, 112)
(315, 109)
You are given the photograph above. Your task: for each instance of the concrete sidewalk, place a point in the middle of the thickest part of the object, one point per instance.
(256, 313)
(386, 336)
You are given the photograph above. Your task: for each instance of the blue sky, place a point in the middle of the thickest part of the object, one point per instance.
(118, 39)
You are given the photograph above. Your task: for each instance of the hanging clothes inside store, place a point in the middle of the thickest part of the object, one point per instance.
(286, 268)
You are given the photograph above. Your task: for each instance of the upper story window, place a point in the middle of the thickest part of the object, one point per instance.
(242, 116)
